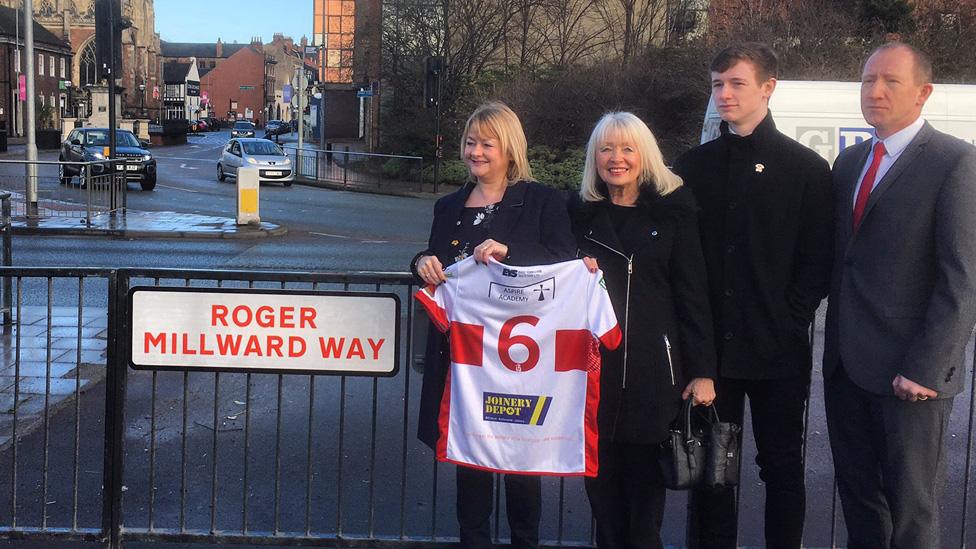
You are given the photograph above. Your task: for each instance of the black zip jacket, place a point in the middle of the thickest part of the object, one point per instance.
(767, 234)
(660, 296)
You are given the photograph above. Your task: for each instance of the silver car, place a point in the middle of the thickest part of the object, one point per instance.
(272, 162)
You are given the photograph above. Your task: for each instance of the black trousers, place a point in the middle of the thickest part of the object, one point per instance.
(777, 407)
(888, 458)
(627, 497)
(475, 499)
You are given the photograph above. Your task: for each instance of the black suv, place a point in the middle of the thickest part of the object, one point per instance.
(91, 145)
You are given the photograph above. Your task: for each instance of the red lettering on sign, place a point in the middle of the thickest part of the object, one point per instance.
(228, 344)
(274, 345)
(375, 346)
(203, 346)
(186, 345)
(158, 340)
(308, 317)
(218, 314)
(265, 316)
(356, 348)
(331, 350)
(253, 346)
(242, 315)
(296, 347)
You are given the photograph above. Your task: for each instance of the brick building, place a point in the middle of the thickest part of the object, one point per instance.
(349, 33)
(207, 55)
(52, 64)
(74, 22)
(235, 87)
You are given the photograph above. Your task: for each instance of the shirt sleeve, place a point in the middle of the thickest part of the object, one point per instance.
(601, 318)
(438, 300)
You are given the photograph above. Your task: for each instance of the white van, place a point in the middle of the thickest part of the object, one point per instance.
(826, 116)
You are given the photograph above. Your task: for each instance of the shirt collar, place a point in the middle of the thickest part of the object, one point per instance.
(898, 141)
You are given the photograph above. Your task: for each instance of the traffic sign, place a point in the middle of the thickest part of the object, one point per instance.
(364, 93)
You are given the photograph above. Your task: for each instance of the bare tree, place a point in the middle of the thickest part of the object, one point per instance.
(573, 31)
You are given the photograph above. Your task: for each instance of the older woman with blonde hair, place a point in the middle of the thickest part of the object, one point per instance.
(500, 213)
(637, 222)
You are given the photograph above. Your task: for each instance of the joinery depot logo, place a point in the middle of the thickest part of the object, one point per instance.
(538, 291)
(519, 409)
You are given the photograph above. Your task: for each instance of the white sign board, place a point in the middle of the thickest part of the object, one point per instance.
(280, 331)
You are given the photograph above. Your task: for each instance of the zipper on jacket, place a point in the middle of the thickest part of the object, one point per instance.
(630, 271)
(667, 346)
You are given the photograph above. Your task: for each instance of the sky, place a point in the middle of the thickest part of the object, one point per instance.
(232, 20)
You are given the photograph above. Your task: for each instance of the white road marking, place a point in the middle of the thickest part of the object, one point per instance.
(332, 235)
(176, 188)
(187, 167)
(375, 241)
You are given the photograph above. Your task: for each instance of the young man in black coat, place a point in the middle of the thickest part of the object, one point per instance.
(766, 227)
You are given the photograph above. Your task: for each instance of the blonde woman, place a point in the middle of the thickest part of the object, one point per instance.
(636, 221)
(499, 213)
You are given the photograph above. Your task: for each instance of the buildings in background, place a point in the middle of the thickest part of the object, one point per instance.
(181, 94)
(51, 69)
(348, 35)
(73, 22)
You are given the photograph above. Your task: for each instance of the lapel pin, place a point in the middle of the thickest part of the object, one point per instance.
(760, 168)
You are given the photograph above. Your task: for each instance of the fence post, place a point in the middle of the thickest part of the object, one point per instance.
(114, 413)
(7, 261)
(86, 181)
(420, 175)
(345, 167)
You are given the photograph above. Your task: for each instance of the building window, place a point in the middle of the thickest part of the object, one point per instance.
(51, 65)
(40, 98)
(88, 73)
(335, 31)
(62, 67)
(40, 64)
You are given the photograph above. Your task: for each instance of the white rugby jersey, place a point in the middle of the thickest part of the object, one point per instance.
(522, 392)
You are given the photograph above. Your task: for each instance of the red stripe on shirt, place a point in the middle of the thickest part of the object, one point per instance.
(611, 339)
(437, 315)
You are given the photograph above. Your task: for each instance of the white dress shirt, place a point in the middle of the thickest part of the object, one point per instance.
(895, 144)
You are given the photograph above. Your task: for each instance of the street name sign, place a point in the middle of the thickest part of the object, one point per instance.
(276, 331)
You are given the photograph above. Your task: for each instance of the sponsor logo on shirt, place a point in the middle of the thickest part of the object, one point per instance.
(519, 409)
(538, 291)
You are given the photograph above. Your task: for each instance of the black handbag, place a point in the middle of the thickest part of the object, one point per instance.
(700, 453)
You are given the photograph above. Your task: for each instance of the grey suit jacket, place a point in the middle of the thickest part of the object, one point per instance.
(903, 289)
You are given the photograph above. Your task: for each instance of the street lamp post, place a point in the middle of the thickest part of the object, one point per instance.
(142, 100)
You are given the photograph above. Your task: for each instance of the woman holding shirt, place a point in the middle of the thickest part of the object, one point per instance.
(499, 213)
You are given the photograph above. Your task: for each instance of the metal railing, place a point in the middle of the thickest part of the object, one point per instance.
(289, 459)
(66, 189)
(358, 170)
(6, 259)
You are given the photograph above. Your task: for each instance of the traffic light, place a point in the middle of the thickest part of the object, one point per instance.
(109, 25)
(434, 66)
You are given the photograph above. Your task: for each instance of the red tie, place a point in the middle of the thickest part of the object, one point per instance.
(867, 184)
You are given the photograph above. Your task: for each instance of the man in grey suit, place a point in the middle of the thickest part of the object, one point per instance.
(902, 306)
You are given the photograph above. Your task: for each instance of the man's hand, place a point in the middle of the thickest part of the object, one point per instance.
(907, 389)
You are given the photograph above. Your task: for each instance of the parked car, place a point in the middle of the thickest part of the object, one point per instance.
(242, 129)
(274, 128)
(91, 145)
(198, 125)
(274, 165)
(213, 123)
